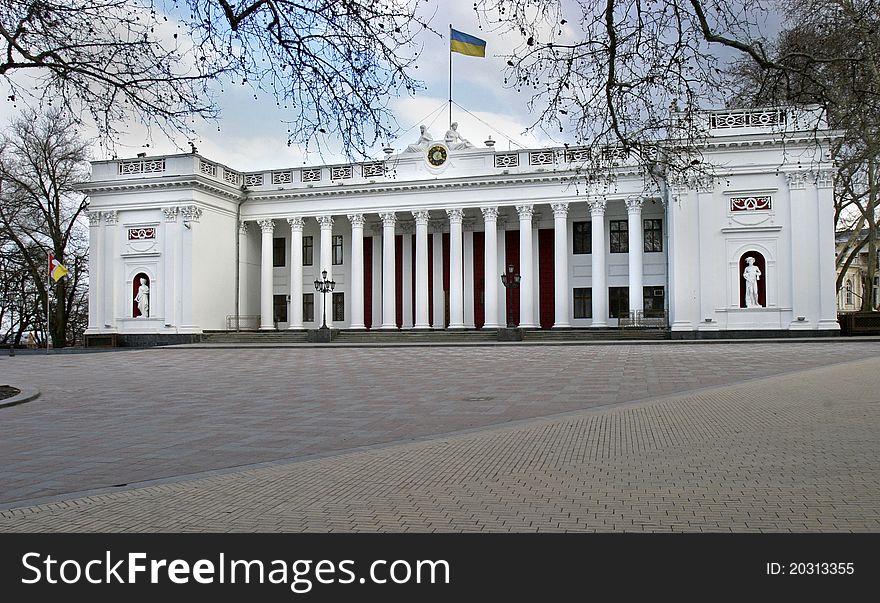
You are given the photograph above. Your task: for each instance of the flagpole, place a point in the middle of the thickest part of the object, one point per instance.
(449, 125)
(48, 307)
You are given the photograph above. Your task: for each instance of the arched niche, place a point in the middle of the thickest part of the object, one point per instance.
(761, 264)
(135, 296)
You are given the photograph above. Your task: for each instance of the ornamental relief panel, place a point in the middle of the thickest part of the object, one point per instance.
(750, 209)
(141, 238)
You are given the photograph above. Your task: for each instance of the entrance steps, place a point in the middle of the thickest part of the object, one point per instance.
(436, 336)
(255, 337)
(609, 334)
(412, 336)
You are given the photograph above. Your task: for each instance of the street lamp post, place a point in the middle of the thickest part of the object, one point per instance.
(510, 279)
(324, 286)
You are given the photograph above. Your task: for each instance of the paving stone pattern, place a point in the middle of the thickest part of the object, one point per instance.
(797, 452)
(125, 417)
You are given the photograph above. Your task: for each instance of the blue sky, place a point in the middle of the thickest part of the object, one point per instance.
(251, 134)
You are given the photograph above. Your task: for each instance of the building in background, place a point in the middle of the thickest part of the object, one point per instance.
(419, 239)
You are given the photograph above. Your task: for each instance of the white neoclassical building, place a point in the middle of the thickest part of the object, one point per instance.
(419, 239)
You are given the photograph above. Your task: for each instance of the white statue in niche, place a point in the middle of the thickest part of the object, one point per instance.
(454, 140)
(752, 274)
(423, 142)
(143, 299)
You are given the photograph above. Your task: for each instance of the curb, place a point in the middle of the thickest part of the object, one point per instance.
(24, 395)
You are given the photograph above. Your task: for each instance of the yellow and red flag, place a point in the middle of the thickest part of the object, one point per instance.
(56, 268)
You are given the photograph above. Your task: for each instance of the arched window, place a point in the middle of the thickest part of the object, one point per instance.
(849, 292)
(141, 299)
(757, 274)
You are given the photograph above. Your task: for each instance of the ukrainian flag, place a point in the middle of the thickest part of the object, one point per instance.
(465, 44)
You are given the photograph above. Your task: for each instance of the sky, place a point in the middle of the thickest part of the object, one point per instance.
(251, 135)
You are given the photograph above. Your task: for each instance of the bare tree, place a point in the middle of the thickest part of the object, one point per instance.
(42, 158)
(335, 64)
(617, 72)
(828, 53)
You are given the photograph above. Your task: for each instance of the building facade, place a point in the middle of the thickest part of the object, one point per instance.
(419, 239)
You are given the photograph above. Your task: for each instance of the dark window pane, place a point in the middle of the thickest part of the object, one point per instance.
(619, 236)
(583, 302)
(278, 252)
(279, 305)
(582, 237)
(653, 235)
(337, 250)
(654, 298)
(307, 251)
(308, 307)
(618, 301)
(339, 306)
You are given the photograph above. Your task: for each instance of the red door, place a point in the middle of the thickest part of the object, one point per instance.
(546, 278)
(479, 279)
(511, 251)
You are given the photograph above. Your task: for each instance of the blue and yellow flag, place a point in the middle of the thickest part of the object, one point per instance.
(466, 44)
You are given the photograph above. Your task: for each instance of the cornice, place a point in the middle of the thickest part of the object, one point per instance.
(385, 188)
(178, 182)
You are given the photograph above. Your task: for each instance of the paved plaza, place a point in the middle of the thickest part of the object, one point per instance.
(681, 437)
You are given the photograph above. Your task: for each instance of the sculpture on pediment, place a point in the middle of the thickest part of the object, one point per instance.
(423, 142)
(454, 140)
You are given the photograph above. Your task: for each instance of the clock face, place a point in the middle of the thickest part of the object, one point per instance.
(437, 155)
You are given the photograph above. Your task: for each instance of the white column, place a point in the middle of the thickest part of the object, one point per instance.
(490, 260)
(267, 287)
(421, 276)
(468, 273)
(636, 249)
(456, 272)
(170, 264)
(357, 271)
(296, 274)
(437, 276)
(389, 320)
(190, 216)
(599, 288)
(95, 258)
(406, 259)
(242, 275)
(562, 293)
(526, 268)
(326, 263)
(110, 293)
(824, 191)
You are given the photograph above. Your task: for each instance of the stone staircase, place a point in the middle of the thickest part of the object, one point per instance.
(431, 336)
(409, 336)
(610, 334)
(255, 337)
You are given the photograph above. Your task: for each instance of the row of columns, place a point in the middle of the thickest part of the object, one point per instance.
(456, 267)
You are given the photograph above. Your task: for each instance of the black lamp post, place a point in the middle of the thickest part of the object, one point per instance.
(323, 286)
(510, 279)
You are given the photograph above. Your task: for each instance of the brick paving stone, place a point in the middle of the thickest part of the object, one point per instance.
(792, 452)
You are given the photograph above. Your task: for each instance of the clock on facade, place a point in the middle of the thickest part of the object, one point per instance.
(437, 155)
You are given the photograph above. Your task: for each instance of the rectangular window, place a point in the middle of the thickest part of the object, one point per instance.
(339, 306)
(618, 301)
(583, 237)
(583, 302)
(619, 230)
(653, 235)
(337, 250)
(653, 301)
(308, 307)
(279, 306)
(308, 249)
(278, 252)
